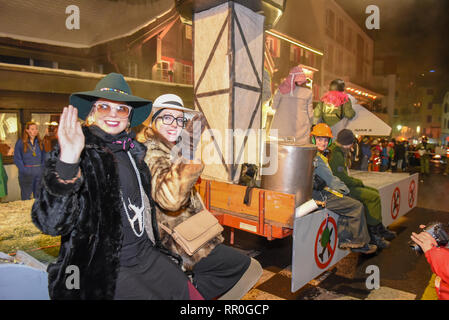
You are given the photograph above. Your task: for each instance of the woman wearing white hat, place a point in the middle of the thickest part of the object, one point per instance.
(171, 141)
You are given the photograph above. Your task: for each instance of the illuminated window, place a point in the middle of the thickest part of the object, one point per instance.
(163, 71)
(187, 74)
(9, 132)
(47, 124)
(188, 32)
(295, 53)
(273, 46)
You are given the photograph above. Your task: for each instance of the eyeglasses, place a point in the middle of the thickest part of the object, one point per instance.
(123, 111)
(168, 119)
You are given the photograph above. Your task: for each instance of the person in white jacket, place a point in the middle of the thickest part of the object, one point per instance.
(294, 108)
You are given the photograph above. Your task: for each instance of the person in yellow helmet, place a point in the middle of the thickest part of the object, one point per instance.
(352, 229)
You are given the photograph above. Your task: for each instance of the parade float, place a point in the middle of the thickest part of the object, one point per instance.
(228, 90)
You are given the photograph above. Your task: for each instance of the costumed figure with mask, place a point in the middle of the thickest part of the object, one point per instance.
(335, 106)
(293, 103)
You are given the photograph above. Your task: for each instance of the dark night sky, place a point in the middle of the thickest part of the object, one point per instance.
(415, 30)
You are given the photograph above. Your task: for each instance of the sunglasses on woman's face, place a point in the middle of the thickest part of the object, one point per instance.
(168, 119)
(104, 108)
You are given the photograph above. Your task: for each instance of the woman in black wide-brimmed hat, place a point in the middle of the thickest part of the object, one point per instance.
(96, 195)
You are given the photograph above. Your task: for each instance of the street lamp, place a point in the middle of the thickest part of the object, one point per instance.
(399, 127)
(418, 129)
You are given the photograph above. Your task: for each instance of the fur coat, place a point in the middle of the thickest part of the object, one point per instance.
(172, 187)
(85, 212)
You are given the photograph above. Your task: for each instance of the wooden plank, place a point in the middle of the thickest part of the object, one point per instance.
(279, 207)
(30, 261)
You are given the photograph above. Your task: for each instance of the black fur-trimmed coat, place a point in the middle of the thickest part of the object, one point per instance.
(85, 212)
(172, 182)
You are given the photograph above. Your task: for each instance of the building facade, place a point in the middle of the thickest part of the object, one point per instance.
(445, 120)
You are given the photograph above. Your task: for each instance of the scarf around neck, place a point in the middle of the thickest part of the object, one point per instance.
(119, 142)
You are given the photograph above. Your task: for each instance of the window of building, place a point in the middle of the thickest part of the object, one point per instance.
(430, 92)
(188, 30)
(429, 119)
(339, 62)
(330, 23)
(132, 69)
(187, 74)
(446, 107)
(340, 32)
(9, 133)
(348, 41)
(329, 58)
(295, 53)
(273, 46)
(163, 71)
(15, 60)
(429, 106)
(47, 123)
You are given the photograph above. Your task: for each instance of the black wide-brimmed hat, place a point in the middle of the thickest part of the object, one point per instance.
(112, 87)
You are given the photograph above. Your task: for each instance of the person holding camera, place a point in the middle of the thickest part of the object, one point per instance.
(438, 258)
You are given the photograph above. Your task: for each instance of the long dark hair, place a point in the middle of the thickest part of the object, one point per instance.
(26, 137)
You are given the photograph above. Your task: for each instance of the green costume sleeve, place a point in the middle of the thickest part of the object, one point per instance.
(348, 111)
(338, 166)
(317, 113)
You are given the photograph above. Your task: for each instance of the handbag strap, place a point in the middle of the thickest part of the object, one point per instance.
(198, 195)
(165, 228)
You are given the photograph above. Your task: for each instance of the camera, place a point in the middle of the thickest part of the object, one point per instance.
(439, 231)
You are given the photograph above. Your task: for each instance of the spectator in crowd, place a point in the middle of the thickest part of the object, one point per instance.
(29, 159)
(390, 151)
(399, 155)
(376, 150)
(384, 155)
(51, 136)
(366, 154)
(438, 258)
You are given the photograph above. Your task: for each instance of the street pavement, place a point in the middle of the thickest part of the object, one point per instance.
(404, 275)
